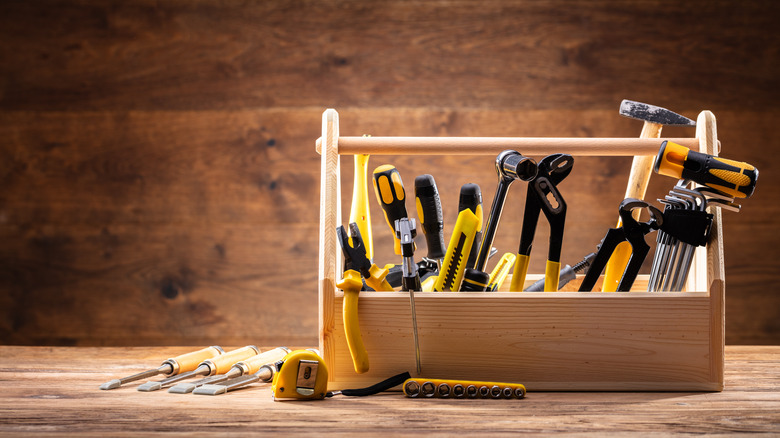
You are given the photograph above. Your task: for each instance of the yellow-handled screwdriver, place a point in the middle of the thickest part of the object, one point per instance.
(216, 365)
(175, 365)
(733, 178)
(247, 366)
(391, 195)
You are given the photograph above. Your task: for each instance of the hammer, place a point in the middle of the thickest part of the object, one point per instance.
(654, 118)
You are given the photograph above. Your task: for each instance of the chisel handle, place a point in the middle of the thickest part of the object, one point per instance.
(391, 195)
(430, 215)
(733, 178)
(222, 363)
(360, 212)
(254, 363)
(189, 361)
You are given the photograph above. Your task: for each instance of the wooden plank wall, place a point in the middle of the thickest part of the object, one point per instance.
(157, 164)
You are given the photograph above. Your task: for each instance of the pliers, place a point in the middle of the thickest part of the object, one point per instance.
(355, 258)
(543, 195)
(634, 233)
(357, 263)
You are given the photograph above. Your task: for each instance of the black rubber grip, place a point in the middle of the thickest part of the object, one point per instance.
(430, 215)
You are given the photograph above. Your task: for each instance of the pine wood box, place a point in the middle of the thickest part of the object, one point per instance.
(597, 341)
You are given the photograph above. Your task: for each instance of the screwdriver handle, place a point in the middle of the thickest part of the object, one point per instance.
(429, 212)
(471, 198)
(390, 193)
(222, 363)
(254, 363)
(360, 212)
(734, 178)
(189, 361)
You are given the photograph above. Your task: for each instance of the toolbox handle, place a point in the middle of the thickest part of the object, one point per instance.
(583, 146)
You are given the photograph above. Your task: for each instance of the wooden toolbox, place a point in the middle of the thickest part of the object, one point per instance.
(597, 341)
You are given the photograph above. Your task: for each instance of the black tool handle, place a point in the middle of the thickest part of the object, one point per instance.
(430, 214)
(391, 195)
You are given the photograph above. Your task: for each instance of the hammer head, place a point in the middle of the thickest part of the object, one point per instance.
(653, 114)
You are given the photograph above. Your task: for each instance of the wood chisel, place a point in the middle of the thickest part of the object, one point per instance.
(360, 212)
(173, 366)
(264, 373)
(243, 368)
(217, 365)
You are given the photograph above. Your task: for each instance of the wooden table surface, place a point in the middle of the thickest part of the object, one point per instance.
(54, 391)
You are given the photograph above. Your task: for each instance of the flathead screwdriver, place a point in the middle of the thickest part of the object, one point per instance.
(217, 365)
(242, 368)
(175, 365)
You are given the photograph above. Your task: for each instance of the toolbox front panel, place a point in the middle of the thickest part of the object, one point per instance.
(562, 341)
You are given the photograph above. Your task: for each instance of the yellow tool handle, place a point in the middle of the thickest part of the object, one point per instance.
(390, 193)
(351, 285)
(734, 178)
(454, 265)
(189, 361)
(552, 275)
(360, 212)
(222, 364)
(519, 273)
(500, 272)
(254, 363)
(377, 279)
(429, 283)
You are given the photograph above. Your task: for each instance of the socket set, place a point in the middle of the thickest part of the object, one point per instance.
(436, 388)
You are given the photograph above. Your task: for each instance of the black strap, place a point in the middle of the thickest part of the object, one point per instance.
(377, 388)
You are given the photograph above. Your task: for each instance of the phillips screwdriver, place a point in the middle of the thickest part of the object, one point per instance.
(733, 178)
(217, 365)
(430, 215)
(175, 365)
(406, 230)
(360, 212)
(243, 368)
(390, 193)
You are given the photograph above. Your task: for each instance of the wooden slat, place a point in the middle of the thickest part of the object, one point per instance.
(54, 391)
(185, 54)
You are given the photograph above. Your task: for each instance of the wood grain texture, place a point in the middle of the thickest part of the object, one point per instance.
(54, 391)
(75, 54)
(139, 141)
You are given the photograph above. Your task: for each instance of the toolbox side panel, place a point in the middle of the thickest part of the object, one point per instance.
(566, 341)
